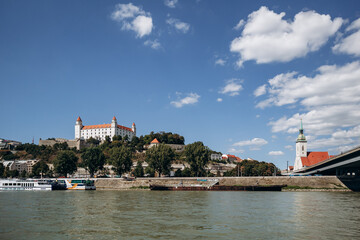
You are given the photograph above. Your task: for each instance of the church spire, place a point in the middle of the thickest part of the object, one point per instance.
(301, 137)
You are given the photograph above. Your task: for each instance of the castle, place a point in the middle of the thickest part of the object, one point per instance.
(100, 131)
(303, 157)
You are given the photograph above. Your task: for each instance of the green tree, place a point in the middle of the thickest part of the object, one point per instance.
(139, 170)
(120, 158)
(40, 168)
(197, 155)
(2, 170)
(65, 163)
(92, 141)
(93, 159)
(159, 158)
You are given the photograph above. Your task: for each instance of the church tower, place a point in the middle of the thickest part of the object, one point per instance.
(78, 127)
(301, 148)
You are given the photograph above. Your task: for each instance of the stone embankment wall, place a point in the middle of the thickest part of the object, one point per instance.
(316, 182)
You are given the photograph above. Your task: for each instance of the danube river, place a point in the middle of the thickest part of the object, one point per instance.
(179, 215)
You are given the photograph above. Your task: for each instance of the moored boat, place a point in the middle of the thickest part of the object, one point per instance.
(77, 184)
(30, 185)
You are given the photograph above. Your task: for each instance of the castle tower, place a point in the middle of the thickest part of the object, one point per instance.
(113, 127)
(134, 129)
(301, 148)
(78, 127)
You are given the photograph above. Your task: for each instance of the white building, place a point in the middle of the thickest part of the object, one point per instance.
(100, 131)
(301, 148)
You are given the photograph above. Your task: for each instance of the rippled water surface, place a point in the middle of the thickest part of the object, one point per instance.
(179, 215)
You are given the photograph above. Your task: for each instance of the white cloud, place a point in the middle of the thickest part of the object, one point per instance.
(276, 153)
(289, 147)
(266, 37)
(219, 100)
(350, 44)
(191, 98)
(260, 91)
(170, 3)
(240, 24)
(153, 44)
(180, 26)
(235, 151)
(329, 103)
(133, 18)
(232, 87)
(252, 142)
(220, 62)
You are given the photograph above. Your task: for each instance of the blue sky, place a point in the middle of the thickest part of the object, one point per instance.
(237, 75)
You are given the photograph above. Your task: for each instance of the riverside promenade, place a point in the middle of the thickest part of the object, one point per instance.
(294, 183)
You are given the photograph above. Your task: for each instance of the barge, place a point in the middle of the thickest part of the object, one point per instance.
(217, 188)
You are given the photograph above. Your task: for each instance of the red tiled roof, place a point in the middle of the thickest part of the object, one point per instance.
(124, 128)
(238, 159)
(313, 158)
(97, 126)
(78, 119)
(155, 141)
(231, 156)
(105, 126)
(114, 118)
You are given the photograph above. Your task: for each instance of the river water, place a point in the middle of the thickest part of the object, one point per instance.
(179, 215)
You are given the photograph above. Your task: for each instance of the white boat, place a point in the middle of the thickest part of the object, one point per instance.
(77, 184)
(30, 185)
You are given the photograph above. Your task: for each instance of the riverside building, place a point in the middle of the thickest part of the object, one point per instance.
(100, 131)
(303, 157)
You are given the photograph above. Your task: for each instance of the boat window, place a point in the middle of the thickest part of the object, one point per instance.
(6, 184)
(10, 184)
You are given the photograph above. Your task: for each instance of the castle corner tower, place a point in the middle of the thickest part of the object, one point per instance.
(78, 127)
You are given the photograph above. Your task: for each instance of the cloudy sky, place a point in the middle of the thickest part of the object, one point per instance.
(237, 75)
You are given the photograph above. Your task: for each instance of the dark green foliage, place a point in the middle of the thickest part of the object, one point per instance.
(65, 163)
(61, 146)
(197, 155)
(120, 158)
(32, 149)
(117, 138)
(2, 170)
(253, 168)
(186, 173)
(150, 171)
(178, 173)
(93, 142)
(40, 168)
(138, 171)
(164, 137)
(23, 174)
(159, 158)
(8, 155)
(93, 159)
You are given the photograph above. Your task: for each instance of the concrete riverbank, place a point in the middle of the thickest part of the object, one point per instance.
(294, 183)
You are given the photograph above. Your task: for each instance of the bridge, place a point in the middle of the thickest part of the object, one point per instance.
(346, 166)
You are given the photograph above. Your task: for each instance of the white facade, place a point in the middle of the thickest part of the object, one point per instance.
(301, 149)
(100, 131)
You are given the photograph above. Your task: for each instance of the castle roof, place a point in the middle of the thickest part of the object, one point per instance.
(105, 126)
(155, 141)
(313, 158)
(78, 119)
(114, 118)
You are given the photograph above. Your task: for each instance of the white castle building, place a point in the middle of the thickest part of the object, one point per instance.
(100, 131)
